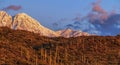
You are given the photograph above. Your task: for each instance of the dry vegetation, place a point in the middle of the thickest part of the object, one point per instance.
(19, 47)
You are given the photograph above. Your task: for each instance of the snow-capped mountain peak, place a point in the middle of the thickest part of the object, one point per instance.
(22, 21)
(5, 19)
(71, 33)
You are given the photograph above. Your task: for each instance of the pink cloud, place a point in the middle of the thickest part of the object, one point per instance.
(97, 8)
(98, 13)
(12, 7)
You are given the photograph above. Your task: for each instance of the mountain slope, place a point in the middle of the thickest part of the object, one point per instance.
(71, 33)
(24, 22)
(5, 19)
(15, 47)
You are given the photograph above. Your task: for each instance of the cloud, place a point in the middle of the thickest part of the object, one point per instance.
(85, 26)
(77, 18)
(97, 8)
(117, 26)
(12, 7)
(98, 21)
(100, 17)
(110, 25)
(70, 26)
(98, 13)
(55, 24)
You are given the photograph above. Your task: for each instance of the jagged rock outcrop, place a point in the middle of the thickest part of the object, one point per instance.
(24, 22)
(71, 33)
(5, 19)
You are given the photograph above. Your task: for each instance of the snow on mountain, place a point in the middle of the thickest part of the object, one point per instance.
(23, 21)
(71, 33)
(5, 19)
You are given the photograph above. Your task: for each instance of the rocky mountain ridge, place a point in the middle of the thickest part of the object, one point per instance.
(71, 33)
(22, 21)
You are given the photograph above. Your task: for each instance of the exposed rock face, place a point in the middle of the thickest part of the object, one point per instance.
(71, 33)
(5, 19)
(24, 22)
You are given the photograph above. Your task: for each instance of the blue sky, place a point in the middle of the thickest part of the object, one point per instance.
(59, 12)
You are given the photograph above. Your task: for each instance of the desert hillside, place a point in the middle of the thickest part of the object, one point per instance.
(19, 47)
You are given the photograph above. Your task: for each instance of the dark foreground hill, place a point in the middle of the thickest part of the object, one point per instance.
(19, 47)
